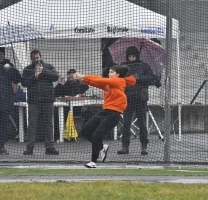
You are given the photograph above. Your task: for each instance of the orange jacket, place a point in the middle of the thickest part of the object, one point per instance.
(114, 96)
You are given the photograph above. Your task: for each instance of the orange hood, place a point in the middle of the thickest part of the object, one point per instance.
(130, 80)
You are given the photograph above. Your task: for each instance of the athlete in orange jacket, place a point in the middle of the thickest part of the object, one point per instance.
(115, 103)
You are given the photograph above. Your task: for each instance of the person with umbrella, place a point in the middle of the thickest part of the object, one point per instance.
(115, 103)
(137, 97)
(38, 77)
(8, 75)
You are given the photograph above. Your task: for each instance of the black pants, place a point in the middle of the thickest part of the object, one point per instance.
(4, 119)
(96, 128)
(140, 107)
(47, 113)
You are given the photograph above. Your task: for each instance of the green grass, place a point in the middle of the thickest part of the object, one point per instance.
(103, 172)
(102, 190)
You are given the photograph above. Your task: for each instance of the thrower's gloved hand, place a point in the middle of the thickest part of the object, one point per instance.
(78, 76)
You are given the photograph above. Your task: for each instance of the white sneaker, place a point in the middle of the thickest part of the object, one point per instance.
(103, 152)
(90, 165)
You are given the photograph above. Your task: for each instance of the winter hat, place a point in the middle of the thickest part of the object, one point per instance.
(2, 49)
(132, 51)
(71, 71)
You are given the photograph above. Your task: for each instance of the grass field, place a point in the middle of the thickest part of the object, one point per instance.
(103, 172)
(102, 190)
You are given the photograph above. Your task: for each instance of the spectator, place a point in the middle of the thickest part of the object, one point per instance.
(8, 74)
(71, 87)
(38, 77)
(18, 94)
(137, 97)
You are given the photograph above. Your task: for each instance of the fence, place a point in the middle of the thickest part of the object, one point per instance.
(78, 35)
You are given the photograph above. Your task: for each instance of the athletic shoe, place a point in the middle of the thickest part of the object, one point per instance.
(103, 152)
(90, 165)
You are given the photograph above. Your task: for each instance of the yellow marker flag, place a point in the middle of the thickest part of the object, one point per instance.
(70, 131)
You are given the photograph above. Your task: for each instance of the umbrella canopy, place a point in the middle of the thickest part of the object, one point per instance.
(18, 33)
(149, 52)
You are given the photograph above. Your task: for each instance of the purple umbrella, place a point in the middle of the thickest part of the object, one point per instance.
(149, 52)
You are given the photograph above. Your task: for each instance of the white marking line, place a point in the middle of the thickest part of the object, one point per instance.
(187, 171)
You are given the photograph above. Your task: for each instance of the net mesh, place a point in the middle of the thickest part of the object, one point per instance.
(79, 34)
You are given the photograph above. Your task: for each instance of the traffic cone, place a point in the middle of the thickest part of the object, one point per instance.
(70, 131)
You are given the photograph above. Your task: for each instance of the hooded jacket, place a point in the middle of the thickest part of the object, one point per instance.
(114, 96)
(142, 73)
(39, 89)
(7, 76)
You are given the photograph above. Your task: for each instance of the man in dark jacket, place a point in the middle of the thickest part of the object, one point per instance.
(8, 74)
(137, 97)
(38, 77)
(71, 87)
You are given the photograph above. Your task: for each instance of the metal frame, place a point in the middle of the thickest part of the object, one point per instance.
(149, 113)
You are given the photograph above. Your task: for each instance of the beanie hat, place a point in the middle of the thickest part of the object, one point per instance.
(71, 71)
(2, 49)
(132, 51)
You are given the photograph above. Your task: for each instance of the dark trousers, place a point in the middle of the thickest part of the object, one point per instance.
(140, 107)
(4, 119)
(46, 109)
(96, 128)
